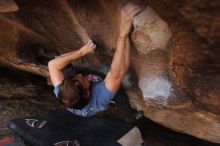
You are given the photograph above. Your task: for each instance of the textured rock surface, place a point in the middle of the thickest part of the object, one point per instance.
(8, 6)
(175, 72)
(17, 104)
(22, 94)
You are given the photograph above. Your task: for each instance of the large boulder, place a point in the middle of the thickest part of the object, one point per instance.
(174, 76)
(8, 6)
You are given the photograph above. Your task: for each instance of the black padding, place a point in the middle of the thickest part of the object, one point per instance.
(61, 125)
(16, 144)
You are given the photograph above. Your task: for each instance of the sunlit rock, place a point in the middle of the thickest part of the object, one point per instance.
(174, 75)
(150, 32)
(8, 6)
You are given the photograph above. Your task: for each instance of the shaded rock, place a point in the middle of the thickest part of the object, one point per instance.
(15, 36)
(174, 75)
(20, 85)
(8, 6)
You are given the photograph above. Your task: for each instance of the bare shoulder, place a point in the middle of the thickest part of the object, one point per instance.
(113, 82)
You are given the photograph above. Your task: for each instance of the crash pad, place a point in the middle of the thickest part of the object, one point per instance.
(62, 128)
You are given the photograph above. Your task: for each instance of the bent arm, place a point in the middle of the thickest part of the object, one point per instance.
(56, 65)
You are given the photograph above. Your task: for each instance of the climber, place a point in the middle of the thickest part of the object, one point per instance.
(87, 95)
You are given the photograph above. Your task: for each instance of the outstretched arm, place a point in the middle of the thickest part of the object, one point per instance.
(56, 65)
(121, 58)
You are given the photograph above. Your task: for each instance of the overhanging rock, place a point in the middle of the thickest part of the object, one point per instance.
(174, 74)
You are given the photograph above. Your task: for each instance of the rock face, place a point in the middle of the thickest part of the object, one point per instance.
(8, 6)
(174, 76)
